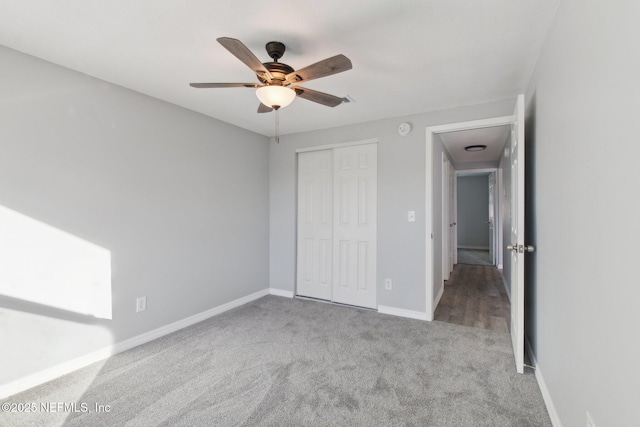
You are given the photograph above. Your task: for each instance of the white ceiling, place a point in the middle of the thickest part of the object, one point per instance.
(493, 137)
(408, 56)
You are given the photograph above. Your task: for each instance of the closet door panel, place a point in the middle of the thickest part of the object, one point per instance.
(355, 225)
(315, 232)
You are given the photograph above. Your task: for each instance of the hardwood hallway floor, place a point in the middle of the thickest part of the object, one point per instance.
(475, 296)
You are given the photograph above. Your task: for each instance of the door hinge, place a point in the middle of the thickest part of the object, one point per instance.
(521, 248)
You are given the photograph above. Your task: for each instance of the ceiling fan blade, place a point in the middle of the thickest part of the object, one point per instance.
(217, 85)
(319, 97)
(243, 53)
(335, 64)
(264, 109)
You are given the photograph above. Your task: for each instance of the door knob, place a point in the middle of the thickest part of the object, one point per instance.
(511, 247)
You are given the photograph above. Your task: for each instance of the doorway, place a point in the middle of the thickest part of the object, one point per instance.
(478, 219)
(466, 134)
(473, 293)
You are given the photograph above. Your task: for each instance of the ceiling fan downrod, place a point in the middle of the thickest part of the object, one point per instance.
(275, 50)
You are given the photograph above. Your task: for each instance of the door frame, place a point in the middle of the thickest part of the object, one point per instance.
(431, 300)
(498, 212)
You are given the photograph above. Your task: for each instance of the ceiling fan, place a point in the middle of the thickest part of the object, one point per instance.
(278, 81)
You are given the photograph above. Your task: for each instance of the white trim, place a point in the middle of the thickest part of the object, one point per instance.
(49, 374)
(438, 297)
(473, 124)
(471, 172)
(338, 145)
(401, 312)
(546, 396)
(428, 217)
(281, 293)
(431, 131)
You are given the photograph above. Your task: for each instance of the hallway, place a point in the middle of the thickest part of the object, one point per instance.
(475, 296)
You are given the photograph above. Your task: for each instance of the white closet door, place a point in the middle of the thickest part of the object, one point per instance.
(315, 215)
(354, 225)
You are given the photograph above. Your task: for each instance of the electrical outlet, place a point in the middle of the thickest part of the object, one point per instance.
(141, 304)
(590, 422)
(388, 285)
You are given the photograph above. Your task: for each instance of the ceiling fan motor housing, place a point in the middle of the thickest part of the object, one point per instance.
(277, 69)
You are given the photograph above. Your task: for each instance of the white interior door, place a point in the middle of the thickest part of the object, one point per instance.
(355, 225)
(492, 217)
(453, 243)
(499, 216)
(454, 217)
(315, 218)
(446, 221)
(517, 245)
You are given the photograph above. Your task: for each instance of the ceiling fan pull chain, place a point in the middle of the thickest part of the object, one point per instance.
(278, 126)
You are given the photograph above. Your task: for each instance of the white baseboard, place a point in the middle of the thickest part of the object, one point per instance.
(281, 292)
(437, 300)
(54, 372)
(506, 286)
(49, 374)
(402, 312)
(546, 396)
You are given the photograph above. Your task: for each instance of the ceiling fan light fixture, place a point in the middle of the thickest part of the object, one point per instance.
(275, 96)
(475, 147)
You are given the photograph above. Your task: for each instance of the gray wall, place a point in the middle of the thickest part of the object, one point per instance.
(583, 293)
(401, 187)
(180, 200)
(473, 212)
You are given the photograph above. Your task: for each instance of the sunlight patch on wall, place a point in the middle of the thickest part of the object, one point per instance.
(45, 265)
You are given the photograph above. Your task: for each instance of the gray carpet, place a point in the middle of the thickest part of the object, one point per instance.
(473, 256)
(284, 362)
